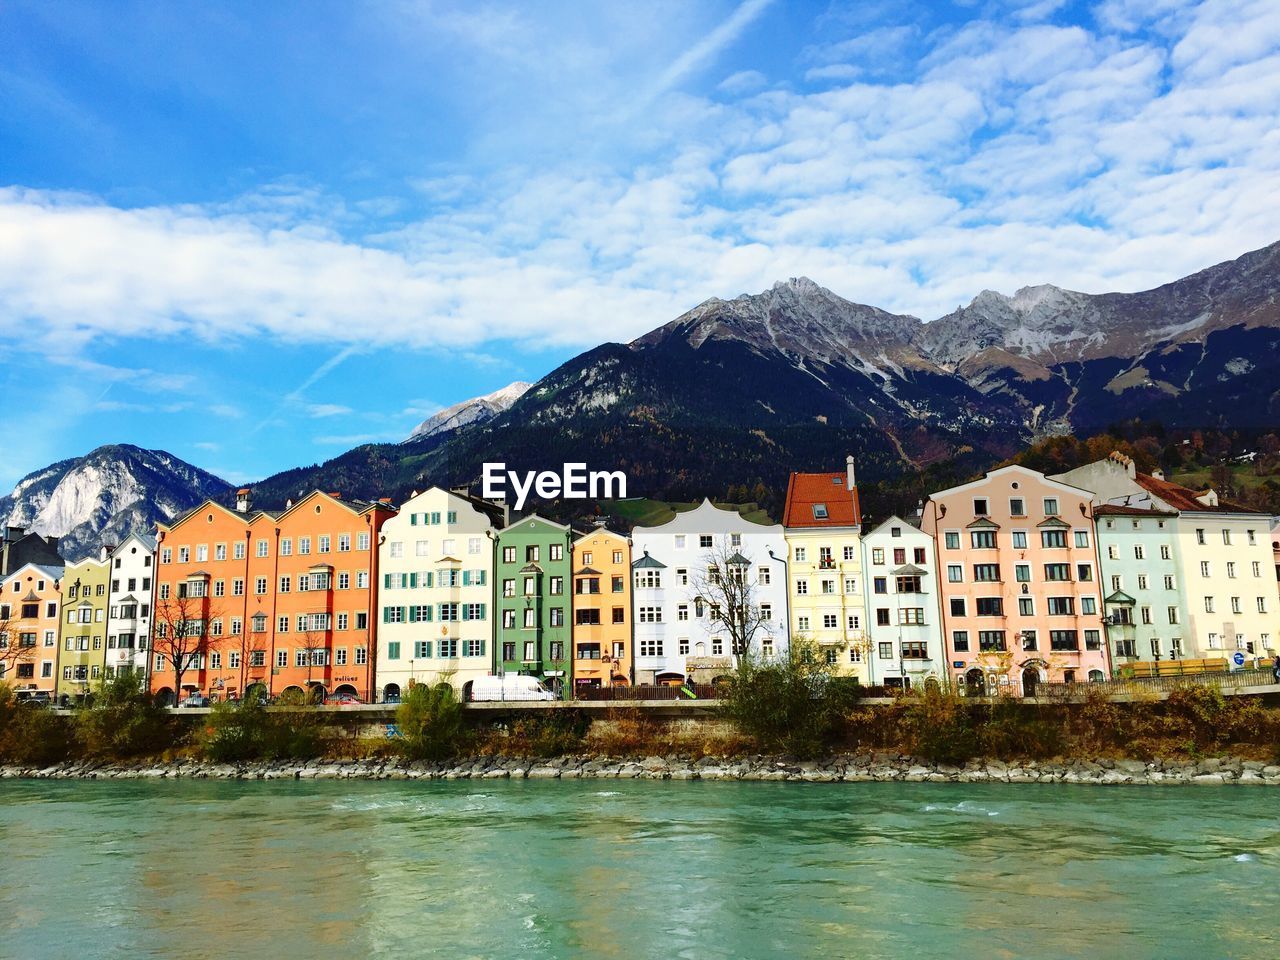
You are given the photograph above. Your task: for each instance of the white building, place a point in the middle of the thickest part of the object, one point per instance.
(129, 605)
(677, 637)
(1223, 555)
(904, 620)
(435, 592)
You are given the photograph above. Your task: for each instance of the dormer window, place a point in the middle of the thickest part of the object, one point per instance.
(819, 511)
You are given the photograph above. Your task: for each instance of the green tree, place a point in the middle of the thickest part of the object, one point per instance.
(122, 720)
(430, 721)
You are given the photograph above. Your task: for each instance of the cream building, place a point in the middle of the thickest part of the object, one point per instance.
(435, 592)
(823, 523)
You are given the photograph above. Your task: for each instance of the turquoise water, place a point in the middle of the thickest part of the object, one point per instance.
(627, 869)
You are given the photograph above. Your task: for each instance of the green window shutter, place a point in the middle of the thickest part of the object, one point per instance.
(413, 580)
(428, 579)
(386, 580)
(428, 611)
(413, 519)
(386, 614)
(482, 647)
(466, 578)
(413, 614)
(466, 611)
(482, 612)
(483, 577)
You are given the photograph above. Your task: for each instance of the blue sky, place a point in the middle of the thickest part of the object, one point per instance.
(256, 235)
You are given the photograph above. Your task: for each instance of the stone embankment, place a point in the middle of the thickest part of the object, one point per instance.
(843, 768)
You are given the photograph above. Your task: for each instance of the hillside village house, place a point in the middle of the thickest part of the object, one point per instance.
(129, 610)
(1020, 592)
(678, 634)
(822, 521)
(904, 623)
(601, 610)
(434, 593)
(1222, 551)
(30, 598)
(83, 646)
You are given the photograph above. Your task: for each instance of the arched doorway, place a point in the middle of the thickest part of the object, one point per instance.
(316, 692)
(1096, 676)
(669, 679)
(975, 683)
(164, 697)
(556, 686)
(391, 692)
(931, 685)
(292, 696)
(256, 692)
(345, 690)
(1030, 680)
(618, 680)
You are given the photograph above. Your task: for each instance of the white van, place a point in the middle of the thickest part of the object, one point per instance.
(510, 687)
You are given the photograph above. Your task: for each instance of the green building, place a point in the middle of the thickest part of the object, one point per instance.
(531, 584)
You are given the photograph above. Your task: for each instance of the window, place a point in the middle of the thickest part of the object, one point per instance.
(848, 553)
(1146, 615)
(1139, 552)
(1057, 571)
(980, 507)
(765, 576)
(802, 624)
(1051, 506)
(1092, 640)
(850, 584)
(1062, 606)
(957, 607)
(1022, 572)
(1226, 537)
(899, 556)
(1173, 614)
(263, 548)
(877, 555)
(557, 551)
(1231, 570)
(1064, 640)
(955, 573)
(880, 585)
(1200, 536)
(1262, 604)
(830, 621)
(986, 572)
(1019, 539)
(960, 641)
(991, 640)
(1084, 572)
(882, 616)
(1082, 538)
(649, 615)
(886, 651)
(1053, 538)
(910, 616)
(647, 579)
(952, 539)
(1113, 552)
(1168, 582)
(1017, 507)
(704, 540)
(651, 648)
(1235, 605)
(990, 606)
(1030, 641)
(819, 511)
(802, 587)
(983, 539)
(1208, 604)
(587, 617)
(1088, 606)
(1026, 607)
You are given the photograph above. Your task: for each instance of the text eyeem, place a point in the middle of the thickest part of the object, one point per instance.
(574, 482)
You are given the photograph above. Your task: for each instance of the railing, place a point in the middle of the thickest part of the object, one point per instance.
(1166, 684)
(701, 691)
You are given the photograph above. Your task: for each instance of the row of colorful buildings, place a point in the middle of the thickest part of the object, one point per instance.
(1001, 584)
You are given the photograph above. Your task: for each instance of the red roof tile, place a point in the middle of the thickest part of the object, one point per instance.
(804, 490)
(1118, 510)
(1184, 498)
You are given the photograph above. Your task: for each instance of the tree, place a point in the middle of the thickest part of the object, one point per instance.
(181, 633)
(313, 645)
(727, 587)
(12, 651)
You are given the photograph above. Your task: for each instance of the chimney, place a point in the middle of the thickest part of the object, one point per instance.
(104, 552)
(850, 482)
(919, 508)
(336, 495)
(244, 500)
(14, 534)
(1158, 473)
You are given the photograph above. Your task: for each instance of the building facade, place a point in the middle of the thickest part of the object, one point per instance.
(1223, 553)
(1143, 603)
(1018, 573)
(679, 633)
(822, 522)
(601, 610)
(435, 592)
(532, 572)
(904, 622)
(130, 597)
(30, 598)
(267, 603)
(83, 641)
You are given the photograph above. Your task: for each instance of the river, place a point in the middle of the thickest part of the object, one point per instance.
(636, 869)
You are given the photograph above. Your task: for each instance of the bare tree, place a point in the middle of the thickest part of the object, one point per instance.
(180, 628)
(11, 651)
(727, 585)
(312, 642)
(246, 644)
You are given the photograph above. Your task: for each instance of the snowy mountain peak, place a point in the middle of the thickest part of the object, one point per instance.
(475, 410)
(105, 495)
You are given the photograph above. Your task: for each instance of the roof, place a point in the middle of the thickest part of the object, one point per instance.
(909, 570)
(805, 490)
(738, 560)
(587, 572)
(647, 562)
(707, 518)
(1120, 597)
(1184, 498)
(52, 573)
(1117, 510)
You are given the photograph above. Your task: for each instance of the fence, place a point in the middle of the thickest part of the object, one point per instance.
(700, 691)
(1156, 685)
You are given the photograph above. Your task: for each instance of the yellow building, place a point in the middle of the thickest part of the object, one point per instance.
(601, 610)
(82, 646)
(823, 526)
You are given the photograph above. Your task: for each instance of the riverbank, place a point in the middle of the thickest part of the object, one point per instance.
(839, 768)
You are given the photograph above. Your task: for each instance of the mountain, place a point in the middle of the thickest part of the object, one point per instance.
(470, 412)
(105, 495)
(741, 391)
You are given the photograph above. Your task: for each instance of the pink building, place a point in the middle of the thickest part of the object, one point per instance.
(1018, 579)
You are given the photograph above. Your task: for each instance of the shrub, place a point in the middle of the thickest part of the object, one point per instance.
(235, 732)
(790, 704)
(122, 720)
(430, 722)
(31, 736)
(937, 725)
(1014, 729)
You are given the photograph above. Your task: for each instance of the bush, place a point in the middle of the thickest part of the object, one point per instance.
(789, 705)
(430, 722)
(122, 720)
(235, 732)
(31, 736)
(552, 734)
(937, 725)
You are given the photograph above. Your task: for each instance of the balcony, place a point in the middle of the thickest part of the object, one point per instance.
(827, 564)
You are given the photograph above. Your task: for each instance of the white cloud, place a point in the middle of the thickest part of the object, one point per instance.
(319, 410)
(1108, 157)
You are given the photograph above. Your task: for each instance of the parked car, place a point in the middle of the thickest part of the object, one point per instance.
(342, 700)
(35, 698)
(196, 700)
(510, 687)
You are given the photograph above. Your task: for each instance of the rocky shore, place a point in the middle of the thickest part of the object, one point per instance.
(841, 768)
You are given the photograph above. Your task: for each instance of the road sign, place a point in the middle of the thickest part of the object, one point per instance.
(1238, 658)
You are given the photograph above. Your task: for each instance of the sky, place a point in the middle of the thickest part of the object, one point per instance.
(256, 235)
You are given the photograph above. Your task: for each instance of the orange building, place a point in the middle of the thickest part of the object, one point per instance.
(601, 610)
(268, 601)
(30, 599)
